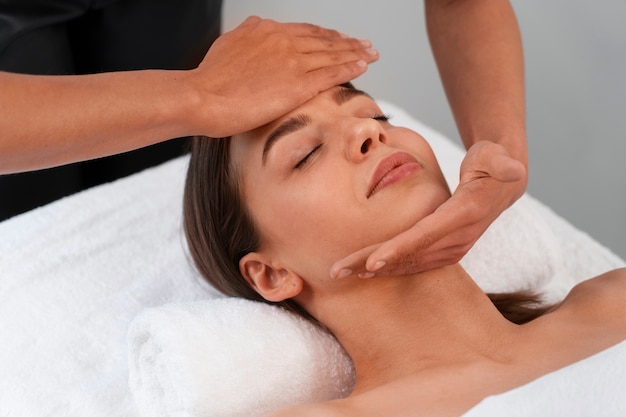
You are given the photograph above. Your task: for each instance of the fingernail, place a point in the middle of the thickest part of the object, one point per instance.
(343, 35)
(379, 265)
(366, 275)
(366, 43)
(344, 273)
(361, 63)
(372, 51)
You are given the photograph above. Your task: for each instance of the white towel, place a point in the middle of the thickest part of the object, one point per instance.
(72, 277)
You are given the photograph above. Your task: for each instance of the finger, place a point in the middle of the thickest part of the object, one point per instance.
(394, 253)
(291, 29)
(317, 60)
(425, 235)
(310, 44)
(327, 77)
(309, 29)
(413, 266)
(353, 264)
(441, 253)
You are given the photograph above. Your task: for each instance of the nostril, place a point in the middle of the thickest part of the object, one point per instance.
(366, 145)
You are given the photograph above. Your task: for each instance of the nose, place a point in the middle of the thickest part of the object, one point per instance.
(364, 135)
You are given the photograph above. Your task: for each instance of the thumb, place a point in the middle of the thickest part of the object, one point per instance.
(506, 169)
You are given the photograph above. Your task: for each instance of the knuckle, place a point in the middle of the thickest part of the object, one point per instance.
(355, 44)
(333, 72)
(314, 29)
(267, 24)
(252, 19)
(332, 33)
(334, 59)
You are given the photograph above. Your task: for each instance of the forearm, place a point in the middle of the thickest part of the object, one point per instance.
(53, 120)
(478, 50)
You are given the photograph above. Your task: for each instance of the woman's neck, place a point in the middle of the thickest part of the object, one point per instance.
(395, 326)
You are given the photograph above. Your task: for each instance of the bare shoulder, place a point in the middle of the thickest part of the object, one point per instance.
(604, 295)
(613, 281)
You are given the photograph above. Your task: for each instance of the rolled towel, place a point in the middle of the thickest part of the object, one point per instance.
(231, 357)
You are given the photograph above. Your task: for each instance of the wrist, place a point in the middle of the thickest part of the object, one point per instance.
(205, 111)
(184, 104)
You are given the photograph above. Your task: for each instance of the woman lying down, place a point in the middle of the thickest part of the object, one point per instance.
(269, 211)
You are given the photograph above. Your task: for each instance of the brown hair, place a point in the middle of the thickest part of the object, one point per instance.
(217, 225)
(220, 232)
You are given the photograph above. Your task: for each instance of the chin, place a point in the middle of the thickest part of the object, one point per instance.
(411, 208)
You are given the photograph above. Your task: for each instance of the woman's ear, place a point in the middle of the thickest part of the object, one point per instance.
(274, 283)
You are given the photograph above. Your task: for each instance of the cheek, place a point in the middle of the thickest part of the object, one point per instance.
(309, 214)
(311, 227)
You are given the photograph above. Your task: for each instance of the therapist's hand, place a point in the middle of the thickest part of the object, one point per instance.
(263, 69)
(490, 181)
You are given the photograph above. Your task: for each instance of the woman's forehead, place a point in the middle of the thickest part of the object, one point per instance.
(328, 100)
(337, 96)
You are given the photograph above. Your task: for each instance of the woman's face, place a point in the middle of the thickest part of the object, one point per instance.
(332, 177)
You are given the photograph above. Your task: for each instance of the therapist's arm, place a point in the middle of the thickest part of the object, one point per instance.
(478, 51)
(250, 76)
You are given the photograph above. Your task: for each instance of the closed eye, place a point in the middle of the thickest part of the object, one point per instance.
(382, 117)
(307, 157)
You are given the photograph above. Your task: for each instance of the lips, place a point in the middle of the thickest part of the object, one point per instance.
(392, 169)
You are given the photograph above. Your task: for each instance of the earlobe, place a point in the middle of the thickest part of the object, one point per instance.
(274, 283)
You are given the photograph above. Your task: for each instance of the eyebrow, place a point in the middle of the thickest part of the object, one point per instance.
(291, 125)
(300, 121)
(341, 95)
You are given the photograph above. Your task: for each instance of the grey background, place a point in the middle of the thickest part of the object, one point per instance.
(575, 55)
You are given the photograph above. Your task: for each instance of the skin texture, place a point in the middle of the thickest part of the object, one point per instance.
(418, 342)
(478, 50)
(257, 72)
